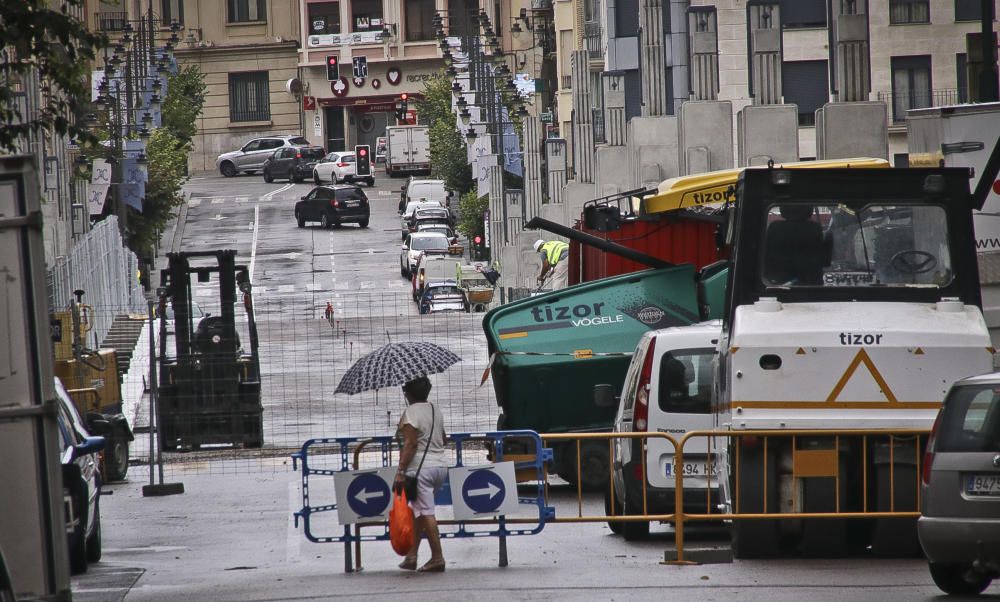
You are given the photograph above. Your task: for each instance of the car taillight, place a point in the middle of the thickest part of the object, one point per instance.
(640, 409)
(298, 155)
(335, 203)
(925, 473)
(341, 164)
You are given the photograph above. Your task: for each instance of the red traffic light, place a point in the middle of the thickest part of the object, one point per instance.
(403, 96)
(477, 240)
(331, 60)
(363, 152)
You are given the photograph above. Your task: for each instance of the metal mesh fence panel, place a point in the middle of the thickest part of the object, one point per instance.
(303, 356)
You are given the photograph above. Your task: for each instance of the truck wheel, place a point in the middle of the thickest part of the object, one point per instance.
(116, 455)
(594, 465)
(753, 538)
(94, 541)
(615, 526)
(958, 579)
(895, 537)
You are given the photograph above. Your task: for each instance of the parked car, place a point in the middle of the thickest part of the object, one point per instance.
(445, 229)
(441, 296)
(420, 243)
(432, 268)
(423, 189)
(959, 529)
(339, 167)
(407, 212)
(81, 483)
(429, 215)
(292, 163)
(251, 156)
(668, 388)
(333, 205)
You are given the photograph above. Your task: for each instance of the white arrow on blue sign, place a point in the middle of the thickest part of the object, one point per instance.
(486, 490)
(364, 494)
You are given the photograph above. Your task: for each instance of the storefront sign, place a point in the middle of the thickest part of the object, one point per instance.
(308, 103)
(393, 75)
(346, 39)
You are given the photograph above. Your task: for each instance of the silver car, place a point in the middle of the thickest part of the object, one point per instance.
(251, 156)
(960, 527)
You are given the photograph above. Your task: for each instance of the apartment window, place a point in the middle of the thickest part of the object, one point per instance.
(626, 18)
(418, 20)
(909, 11)
(324, 17)
(249, 99)
(460, 15)
(246, 11)
(170, 11)
(366, 15)
(911, 84)
(962, 77)
(805, 84)
(800, 14)
(969, 10)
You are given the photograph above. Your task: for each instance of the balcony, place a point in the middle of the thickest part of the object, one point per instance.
(592, 39)
(900, 102)
(111, 21)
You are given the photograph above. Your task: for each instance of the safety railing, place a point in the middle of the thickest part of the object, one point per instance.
(315, 459)
(854, 461)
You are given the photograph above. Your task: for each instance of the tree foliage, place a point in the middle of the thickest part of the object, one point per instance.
(59, 48)
(471, 207)
(167, 152)
(449, 160)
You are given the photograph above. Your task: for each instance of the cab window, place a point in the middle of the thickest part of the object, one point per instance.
(685, 381)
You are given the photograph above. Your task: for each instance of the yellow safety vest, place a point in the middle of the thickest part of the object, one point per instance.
(554, 250)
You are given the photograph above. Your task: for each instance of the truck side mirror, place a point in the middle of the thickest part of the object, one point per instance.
(604, 396)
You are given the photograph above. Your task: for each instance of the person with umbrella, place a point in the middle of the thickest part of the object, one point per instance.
(422, 429)
(421, 426)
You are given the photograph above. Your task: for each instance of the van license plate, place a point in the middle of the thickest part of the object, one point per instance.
(983, 484)
(694, 469)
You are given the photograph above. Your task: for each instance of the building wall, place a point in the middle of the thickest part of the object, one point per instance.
(564, 16)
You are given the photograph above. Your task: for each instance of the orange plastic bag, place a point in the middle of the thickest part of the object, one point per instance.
(401, 524)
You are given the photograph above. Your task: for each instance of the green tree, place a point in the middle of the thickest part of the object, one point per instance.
(167, 152)
(471, 207)
(449, 159)
(59, 48)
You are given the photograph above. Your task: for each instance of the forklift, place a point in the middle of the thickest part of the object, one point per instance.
(209, 389)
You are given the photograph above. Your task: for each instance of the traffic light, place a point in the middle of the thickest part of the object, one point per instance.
(363, 160)
(332, 67)
(477, 247)
(401, 106)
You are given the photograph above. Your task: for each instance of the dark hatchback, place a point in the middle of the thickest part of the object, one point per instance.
(333, 205)
(292, 163)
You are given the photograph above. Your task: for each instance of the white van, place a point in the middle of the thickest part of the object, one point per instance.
(668, 389)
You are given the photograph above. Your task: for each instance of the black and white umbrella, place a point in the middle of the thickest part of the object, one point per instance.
(395, 364)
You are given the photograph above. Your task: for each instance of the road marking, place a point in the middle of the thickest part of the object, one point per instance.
(286, 288)
(270, 196)
(242, 199)
(218, 217)
(253, 244)
(218, 201)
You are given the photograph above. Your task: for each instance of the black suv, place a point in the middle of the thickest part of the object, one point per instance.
(333, 205)
(293, 163)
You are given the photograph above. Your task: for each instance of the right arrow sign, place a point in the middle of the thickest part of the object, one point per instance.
(488, 490)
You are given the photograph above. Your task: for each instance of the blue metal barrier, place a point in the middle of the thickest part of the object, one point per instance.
(344, 447)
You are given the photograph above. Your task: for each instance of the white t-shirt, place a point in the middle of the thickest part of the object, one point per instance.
(418, 415)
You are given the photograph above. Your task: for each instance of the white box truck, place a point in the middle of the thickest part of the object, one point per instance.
(964, 136)
(408, 150)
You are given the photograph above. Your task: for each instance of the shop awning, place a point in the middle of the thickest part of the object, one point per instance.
(368, 104)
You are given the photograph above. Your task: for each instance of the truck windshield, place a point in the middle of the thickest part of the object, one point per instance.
(830, 244)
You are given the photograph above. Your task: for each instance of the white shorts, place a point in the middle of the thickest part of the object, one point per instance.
(429, 480)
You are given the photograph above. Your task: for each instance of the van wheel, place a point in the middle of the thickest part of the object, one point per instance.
(958, 579)
(635, 530)
(615, 526)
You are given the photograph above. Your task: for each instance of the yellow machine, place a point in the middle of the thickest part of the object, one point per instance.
(92, 381)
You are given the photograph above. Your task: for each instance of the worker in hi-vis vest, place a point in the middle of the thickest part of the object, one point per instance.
(554, 254)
